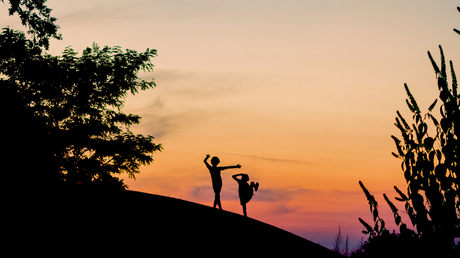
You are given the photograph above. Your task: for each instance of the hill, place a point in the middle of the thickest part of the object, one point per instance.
(130, 223)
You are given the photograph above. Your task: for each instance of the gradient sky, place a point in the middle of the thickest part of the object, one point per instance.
(302, 94)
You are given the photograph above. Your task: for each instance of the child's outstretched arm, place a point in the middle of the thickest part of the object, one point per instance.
(227, 167)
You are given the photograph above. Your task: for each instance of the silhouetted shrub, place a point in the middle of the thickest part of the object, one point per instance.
(431, 168)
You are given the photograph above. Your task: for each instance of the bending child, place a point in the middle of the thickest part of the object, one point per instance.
(216, 177)
(245, 190)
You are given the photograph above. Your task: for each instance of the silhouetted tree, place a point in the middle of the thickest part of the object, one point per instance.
(35, 15)
(66, 110)
(430, 161)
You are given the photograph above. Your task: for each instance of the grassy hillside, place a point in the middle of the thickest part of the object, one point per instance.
(129, 223)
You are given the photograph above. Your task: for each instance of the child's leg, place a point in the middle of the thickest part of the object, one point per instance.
(217, 188)
(244, 210)
(217, 201)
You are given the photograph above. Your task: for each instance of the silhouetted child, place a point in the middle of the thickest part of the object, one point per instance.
(214, 170)
(245, 190)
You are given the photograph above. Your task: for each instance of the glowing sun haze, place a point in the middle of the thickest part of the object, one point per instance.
(302, 94)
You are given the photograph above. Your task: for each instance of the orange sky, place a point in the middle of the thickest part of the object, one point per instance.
(302, 94)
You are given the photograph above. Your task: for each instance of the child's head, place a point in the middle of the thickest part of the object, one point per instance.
(215, 161)
(244, 177)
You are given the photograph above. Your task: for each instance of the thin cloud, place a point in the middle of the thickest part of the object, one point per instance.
(79, 15)
(196, 87)
(199, 192)
(192, 90)
(165, 124)
(273, 159)
(283, 209)
(292, 161)
(280, 194)
(205, 192)
(99, 11)
(167, 75)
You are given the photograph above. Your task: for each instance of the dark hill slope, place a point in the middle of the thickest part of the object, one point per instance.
(130, 223)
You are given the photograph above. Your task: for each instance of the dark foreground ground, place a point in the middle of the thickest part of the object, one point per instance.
(128, 223)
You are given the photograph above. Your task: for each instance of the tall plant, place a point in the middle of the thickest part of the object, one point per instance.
(430, 161)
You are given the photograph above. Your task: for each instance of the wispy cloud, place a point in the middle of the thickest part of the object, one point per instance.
(273, 195)
(160, 125)
(80, 14)
(194, 86)
(194, 92)
(282, 209)
(167, 75)
(274, 159)
(292, 161)
(280, 194)
(199, 192)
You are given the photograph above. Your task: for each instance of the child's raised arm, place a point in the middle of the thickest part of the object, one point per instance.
(206, 160)
(236, 177)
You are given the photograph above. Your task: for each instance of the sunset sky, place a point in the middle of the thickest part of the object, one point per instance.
(302, 94)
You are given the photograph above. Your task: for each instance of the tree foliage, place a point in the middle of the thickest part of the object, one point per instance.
(68, 109)
(35, 15)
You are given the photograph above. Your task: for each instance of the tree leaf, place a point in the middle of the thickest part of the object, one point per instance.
(403, 196)
(443, 63)
(428, 143)
(382, 226)
(435, 66)
(392, 206)
(435, 121)
(454, 80)
(398, 220)
(413, 104)
(367, 226)
(403, 120)
(396, 140)
(372, 202)
(375, 214)
(432, 105)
